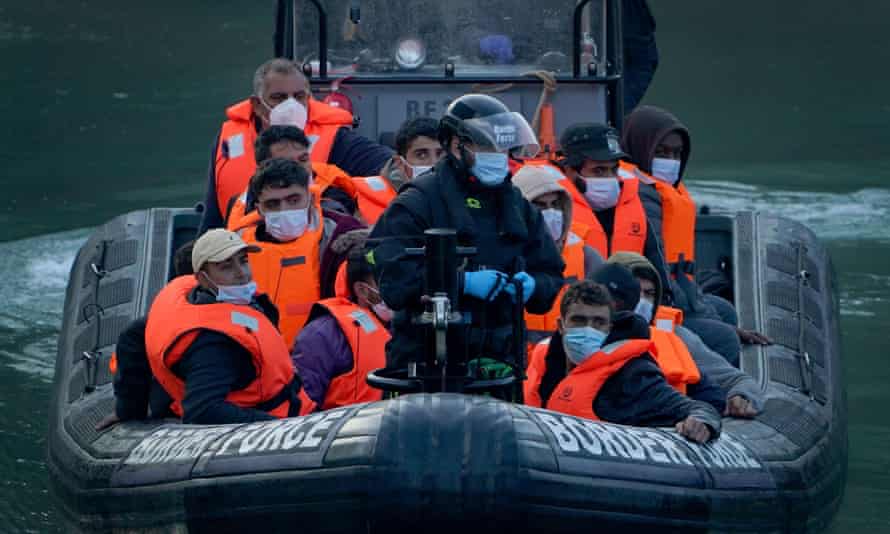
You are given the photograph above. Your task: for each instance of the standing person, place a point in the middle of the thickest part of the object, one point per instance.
(417, 151)
(282, 95)
(640, 50)
(470, 191)
(542, 189)
(599, 366)
(212, 345)
(344, 339)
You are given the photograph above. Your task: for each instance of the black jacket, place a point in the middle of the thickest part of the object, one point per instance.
(637, 394)
(509, 236)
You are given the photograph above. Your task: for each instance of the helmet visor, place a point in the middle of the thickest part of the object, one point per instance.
(503, 132)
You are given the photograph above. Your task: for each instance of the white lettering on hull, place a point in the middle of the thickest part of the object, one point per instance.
(581, 437)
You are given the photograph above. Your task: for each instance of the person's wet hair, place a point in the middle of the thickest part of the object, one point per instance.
(588, 293)
(274, 135)
(278, 173)
(414, 128)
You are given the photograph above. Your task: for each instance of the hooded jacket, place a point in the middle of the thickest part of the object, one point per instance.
(509, 235)
(729, 379)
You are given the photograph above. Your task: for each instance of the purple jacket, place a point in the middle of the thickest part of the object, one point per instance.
(320, 354)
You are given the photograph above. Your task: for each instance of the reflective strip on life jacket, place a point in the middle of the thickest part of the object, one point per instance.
(173, 324)
(576, 393)
(367, 338)
(235, 161)
(289, 272)
(540, 326)
(374, 195)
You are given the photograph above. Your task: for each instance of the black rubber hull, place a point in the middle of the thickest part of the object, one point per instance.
(446, 462)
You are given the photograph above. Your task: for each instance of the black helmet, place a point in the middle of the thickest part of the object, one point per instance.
(485, 121)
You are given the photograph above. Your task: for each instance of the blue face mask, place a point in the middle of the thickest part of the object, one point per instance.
(644, 309)
(490, 168)
(581, 343)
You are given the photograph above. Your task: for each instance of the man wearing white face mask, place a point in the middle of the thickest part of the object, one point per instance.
(598, 365)
(345, 339)
(659, 147)
(542, 189)
(282, 96)
(417, 151)
(608, 206)
(292, 235)
(469, 190)
(212, 343)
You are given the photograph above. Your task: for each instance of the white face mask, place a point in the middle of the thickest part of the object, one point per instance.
(666, 170)
(602, 193)
(287, 225)
(238, 294)
(554, 221)
(417, 170)
(644, 309)
(288, 113)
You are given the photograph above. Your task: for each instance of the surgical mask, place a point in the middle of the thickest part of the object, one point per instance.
(666, 170)
(602, 193)
(287, 225)
(237, 294)
(417, 170)
(644, 309)
(288, 113)
(490, 168)
(580, 343)
(554, 221)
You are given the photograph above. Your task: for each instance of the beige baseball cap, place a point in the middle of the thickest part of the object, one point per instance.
(218, 245)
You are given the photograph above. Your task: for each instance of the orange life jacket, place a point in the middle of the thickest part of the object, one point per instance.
(341, 282)
(174, 323)
(235, 162)
(673, 355)
(544, 325)
(534, 373)
(677, 216)
(367, 338)
(575, 394)
(324, 175)
(374, 195)
(629, 227)
(289, 273)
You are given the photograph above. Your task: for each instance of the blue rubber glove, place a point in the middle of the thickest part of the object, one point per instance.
(484, 284)
(528, 286)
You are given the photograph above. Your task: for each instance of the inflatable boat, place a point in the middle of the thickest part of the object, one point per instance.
(451, 462)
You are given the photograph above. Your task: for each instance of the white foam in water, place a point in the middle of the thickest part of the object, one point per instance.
(35, 275)
(863, 214)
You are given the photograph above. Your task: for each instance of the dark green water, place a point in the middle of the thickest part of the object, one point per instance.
(112, 106)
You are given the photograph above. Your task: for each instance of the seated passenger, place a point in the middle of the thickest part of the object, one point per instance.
(292, 236)
(671, 354)
(601, 368)
(212, 346)
(542, 189)
(742, 393)
(343, 340)
(659, 146)
(282, 95)
(417, 150)
(289, 142)
(137, 394)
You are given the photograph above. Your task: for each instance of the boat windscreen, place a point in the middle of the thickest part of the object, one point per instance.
(419, 38)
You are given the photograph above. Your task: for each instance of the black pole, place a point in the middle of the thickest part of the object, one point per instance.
(616, 58)
(441, 262)
(284, 29)
(576, 37)
(322, 40)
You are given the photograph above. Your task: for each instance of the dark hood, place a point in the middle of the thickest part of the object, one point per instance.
(644, 128)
